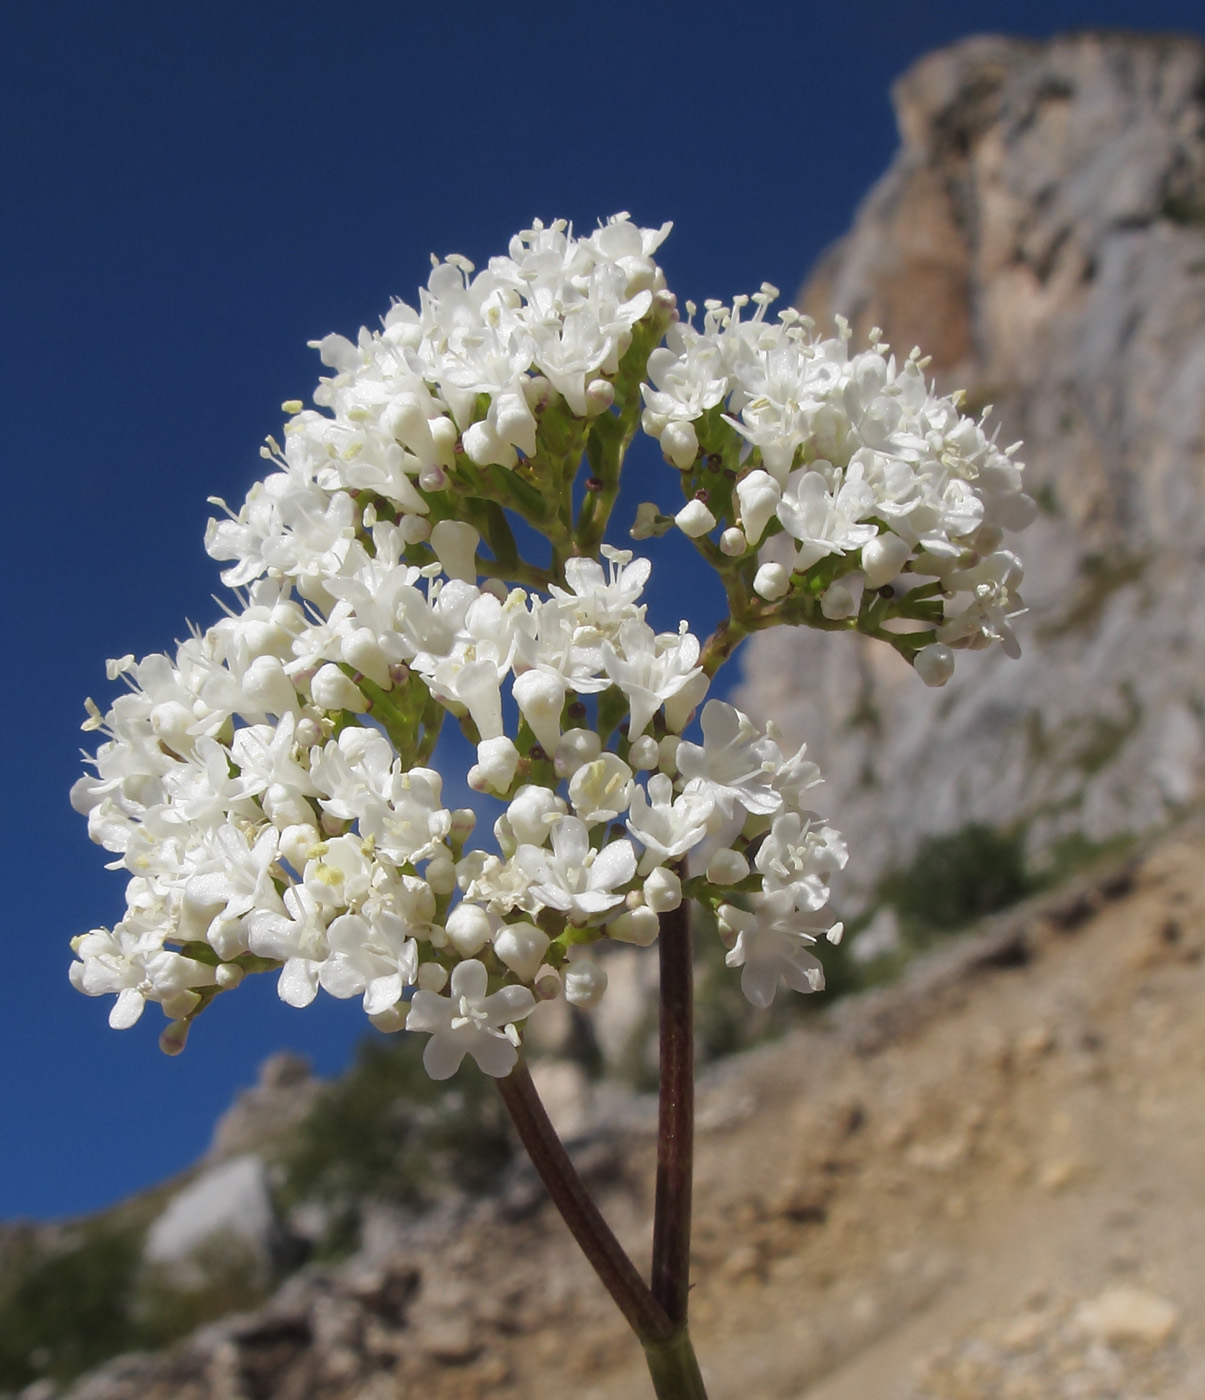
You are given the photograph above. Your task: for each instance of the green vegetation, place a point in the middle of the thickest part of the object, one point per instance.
(65, 1310)
(955, 879)
(1186, 208)
(67, 1307)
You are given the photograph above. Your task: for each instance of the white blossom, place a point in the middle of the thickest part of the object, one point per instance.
(469, 1022)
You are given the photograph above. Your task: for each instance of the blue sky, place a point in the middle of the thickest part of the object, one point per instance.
(194, 191)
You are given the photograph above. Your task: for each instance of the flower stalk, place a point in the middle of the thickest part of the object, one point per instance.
(646, 1317)
(676, 1112)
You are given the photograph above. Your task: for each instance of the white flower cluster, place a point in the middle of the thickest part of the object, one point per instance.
(268, 789)
(418, 407)
(260, 790)
(889, 497)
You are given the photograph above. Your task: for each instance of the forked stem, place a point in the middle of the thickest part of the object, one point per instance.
(646, 1317)
(656, 1315)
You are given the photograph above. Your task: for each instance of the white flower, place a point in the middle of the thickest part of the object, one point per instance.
(136, 966)
(601, 791)
(468, 1022)
(772, 946)
(572, 877)
(377, 958)
(801, 857)
(667, 826)
(650, 669)
(735, 765)
(296, 938)
(822, 520)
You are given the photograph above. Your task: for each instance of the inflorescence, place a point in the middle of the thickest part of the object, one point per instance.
(269, 789)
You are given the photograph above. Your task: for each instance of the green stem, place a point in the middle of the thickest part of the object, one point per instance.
(674, 1369)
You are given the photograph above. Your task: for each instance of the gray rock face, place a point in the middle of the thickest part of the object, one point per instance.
(1041, 234)
(282, 1095)
(228, 1206)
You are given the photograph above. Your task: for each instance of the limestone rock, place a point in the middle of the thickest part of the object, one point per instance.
(1041, 233)
(282, 1095)
(1121, 1315)
(228, 1205)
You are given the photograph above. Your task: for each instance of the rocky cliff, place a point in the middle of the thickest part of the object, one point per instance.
(1002, 1151)
(1041, 234)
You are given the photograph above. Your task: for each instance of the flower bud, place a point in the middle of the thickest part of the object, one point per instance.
(680, 706)
(532, 812)
(759, 495)
(644, 752)
(680, 444)
(414, 529)
(362, 651)
(600, 395)
(695, 520)
(577, 747)
(540, 696)
(843, 597)
(733, 542)
(521, 947)
(585, 983)
(308, 733)
(772, 582)
(405, 420)
(934, 664)
(332, 690)
(432, 977)
(173, 1037)
(440, 874)
(727, 867)
(468, 929)
(883, 558)
(536, 390)
(455, 545)
(663, 890)
(547, 985)
(268, 688)
(639, 926)
(433, 478)
(443, 437)
(497, 763)
(297, 844)
(392, 1019)
(667, 754)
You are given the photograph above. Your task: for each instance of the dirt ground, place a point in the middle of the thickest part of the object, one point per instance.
(988, 1182)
